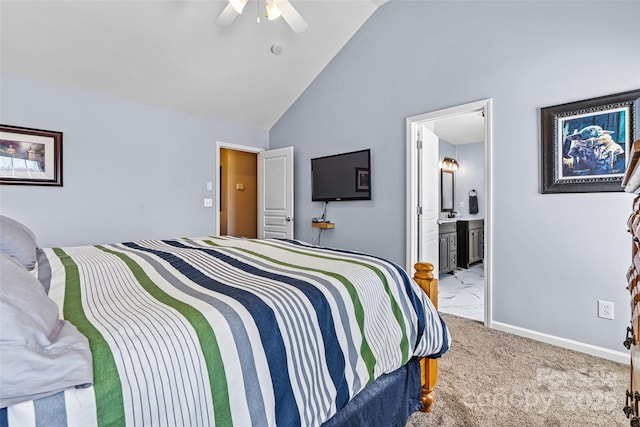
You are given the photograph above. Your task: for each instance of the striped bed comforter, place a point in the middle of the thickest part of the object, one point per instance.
(229, 331)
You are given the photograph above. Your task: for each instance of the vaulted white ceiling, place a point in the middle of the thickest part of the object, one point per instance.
(173, 54)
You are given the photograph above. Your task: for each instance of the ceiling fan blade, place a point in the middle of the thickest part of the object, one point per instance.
(227, 16)
(291, 15)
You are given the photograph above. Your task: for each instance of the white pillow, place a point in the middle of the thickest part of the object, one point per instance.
(18, 241)
(40, 354)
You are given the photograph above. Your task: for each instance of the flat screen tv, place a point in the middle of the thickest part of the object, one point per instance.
(343, 176)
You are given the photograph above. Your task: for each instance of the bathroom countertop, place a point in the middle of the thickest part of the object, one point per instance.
(445, 220)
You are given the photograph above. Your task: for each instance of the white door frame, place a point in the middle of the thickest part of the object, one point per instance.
(413, 125)
(216, 168)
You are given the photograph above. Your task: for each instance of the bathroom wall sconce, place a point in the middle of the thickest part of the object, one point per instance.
(449, 164)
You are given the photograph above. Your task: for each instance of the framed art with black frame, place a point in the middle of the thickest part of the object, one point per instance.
(30, 156)
(586, 144)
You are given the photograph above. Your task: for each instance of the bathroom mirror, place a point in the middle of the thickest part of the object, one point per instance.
(446, 190)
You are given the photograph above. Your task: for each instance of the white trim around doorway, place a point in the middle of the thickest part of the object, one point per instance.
(216, 168)
(413, 125)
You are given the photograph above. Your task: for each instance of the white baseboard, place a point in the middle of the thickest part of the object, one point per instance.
(605, 353)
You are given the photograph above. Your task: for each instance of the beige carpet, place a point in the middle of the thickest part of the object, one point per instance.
(494, 379)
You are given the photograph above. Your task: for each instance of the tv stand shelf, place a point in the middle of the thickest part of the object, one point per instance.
(324, 225)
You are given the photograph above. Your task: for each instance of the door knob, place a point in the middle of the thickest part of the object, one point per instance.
(288, 219)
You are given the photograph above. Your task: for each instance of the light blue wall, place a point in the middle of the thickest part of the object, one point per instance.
(446, 149)
(470, 176)
(130, 170)
(554, 256)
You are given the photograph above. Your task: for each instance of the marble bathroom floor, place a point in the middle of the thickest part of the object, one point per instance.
(462, 293)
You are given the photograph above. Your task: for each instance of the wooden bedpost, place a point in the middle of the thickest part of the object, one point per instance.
(428, 367)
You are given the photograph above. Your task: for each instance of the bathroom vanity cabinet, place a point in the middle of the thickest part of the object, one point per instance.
(448, 247)
(470, 243)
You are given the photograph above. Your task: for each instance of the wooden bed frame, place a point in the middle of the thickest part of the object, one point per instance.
(428, 367)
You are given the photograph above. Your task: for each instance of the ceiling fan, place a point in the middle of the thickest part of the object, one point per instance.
(274, 9)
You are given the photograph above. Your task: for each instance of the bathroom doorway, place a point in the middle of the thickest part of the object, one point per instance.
(423, 188)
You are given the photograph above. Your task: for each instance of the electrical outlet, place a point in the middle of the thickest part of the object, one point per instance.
(605, 309)
(208, 203)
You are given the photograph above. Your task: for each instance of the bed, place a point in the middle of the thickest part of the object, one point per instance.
(212, 331)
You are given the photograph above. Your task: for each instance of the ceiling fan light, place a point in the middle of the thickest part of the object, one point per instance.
(238, 5)
(273, 12)
(227, 16)
(291, 15)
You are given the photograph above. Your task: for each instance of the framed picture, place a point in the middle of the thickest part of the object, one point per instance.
(362, 179)
(30, 156)
(586, 144)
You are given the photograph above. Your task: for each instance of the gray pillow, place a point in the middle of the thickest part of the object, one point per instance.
(40, 354)
(17, 241)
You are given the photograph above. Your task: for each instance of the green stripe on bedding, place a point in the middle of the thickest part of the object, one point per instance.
(395, 308)
(365, 350)
(206, 337)
(107, 388)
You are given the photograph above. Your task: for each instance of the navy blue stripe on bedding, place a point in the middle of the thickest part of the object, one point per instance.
(333, 353)
(245, 351)
(353, 351)
(445, 342)
(4, 422)
(417, 306)
(415, 301)
(286, 407)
